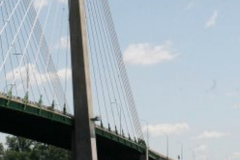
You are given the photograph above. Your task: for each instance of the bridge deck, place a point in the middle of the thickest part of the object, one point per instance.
(55, 128)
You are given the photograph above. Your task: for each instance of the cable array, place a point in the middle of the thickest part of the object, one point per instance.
(112, 89)
(26, 54)
(35, 58)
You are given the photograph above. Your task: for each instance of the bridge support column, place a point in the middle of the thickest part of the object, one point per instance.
(143, 157)
(83, 138)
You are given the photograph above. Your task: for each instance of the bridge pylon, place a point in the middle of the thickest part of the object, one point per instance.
(83, 137)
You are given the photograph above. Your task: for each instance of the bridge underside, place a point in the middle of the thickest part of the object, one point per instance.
(35, 127)
(110, 150)
(58, 134)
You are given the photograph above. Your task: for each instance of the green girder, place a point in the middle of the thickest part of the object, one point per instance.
(47, 112)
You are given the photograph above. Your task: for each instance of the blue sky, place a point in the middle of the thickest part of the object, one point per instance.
(182, 58)
(183, 62)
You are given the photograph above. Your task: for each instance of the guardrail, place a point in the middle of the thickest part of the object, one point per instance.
(35, 104)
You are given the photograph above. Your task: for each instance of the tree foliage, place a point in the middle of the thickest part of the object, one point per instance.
(18, 148)
(1, 151)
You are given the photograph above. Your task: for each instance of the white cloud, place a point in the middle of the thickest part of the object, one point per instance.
(64, 43)
(235, 155)
(161, 129)
(147, 54)
(211, 135)
(201, 148)
(38, 3)
(64, 72)
(236, 106)
(212, 20)
(35, 77)
(63, 1)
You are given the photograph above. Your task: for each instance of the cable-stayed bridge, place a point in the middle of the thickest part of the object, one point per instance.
(63, 80)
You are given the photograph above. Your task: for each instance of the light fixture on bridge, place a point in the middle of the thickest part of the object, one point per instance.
(96, 118)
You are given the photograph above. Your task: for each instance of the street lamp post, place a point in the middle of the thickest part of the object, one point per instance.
(147, 157)
(167, 145)
(181, 145)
